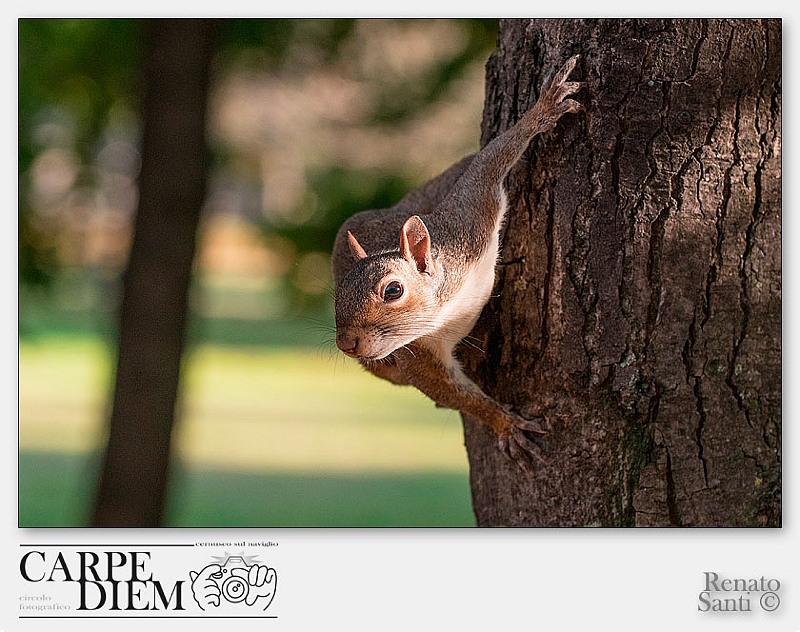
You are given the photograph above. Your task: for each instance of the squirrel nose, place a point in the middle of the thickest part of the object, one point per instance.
(348, 344)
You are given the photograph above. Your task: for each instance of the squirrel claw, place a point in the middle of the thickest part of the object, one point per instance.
(530, 425)
(555, 98)
(566, 69)
(571, 105)
(560, 79)
(521, 448)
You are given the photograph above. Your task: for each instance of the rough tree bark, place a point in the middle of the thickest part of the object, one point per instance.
(638, 303)
(152, 318)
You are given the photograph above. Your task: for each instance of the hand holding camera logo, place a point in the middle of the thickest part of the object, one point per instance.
(235, 581)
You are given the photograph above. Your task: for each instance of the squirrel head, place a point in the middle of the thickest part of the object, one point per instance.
(386, 300)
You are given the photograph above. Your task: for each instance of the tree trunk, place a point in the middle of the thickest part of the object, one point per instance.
(155, 287)
(638, 303)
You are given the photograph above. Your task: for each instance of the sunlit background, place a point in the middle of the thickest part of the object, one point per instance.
(311, 121)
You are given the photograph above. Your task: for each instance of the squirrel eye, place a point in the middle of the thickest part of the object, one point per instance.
(392, 291)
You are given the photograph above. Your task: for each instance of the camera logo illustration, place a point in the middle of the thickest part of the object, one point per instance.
(237, 581)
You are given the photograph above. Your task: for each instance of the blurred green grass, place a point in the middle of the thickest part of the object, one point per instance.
(269, 436)
(56, 491)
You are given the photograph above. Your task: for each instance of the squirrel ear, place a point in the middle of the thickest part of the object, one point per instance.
(355, 248)
(415, 243)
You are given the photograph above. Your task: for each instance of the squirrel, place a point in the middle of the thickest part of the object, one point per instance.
(412, 280)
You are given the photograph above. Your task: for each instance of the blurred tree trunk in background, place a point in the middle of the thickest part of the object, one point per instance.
(639, 296)
(152, 319)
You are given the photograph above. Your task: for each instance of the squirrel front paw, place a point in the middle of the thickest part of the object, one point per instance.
(520, 444)
(554, 101)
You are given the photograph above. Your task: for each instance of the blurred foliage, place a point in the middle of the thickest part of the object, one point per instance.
(405, 98)
(74, 72)
(81, 73)
(267, 45)
(79, 68)
(337, 194)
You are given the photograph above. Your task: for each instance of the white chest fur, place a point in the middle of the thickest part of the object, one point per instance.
(458, 316)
